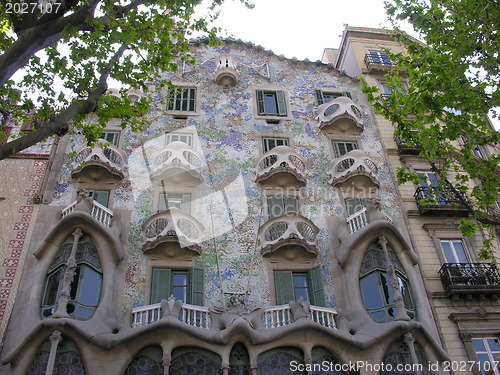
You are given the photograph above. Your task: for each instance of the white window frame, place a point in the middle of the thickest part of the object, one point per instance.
(197, 98)
(271, 117)
(452, 242)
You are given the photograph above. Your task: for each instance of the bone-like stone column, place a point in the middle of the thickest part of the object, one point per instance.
(64, 295)
(55, 339)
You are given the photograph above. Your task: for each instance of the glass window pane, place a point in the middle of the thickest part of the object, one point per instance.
(460, 252)
(478, 345)
(493, 344)
(270, 103)
(386, 289)
(300, 281)
(448, 252)
(371, 292)
(90, 287)
(52, 288)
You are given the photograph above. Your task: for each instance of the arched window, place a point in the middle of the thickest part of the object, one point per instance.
(147, 362)
(398, 360)
(85, 287)
(324, 363)
(194, 361)
(376, 288)
(67, 360)
(281, 361)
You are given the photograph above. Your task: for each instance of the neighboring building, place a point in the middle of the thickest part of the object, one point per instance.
(261, 198)
(464, 291)
(21, 179)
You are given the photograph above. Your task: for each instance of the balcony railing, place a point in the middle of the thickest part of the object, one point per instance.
(199, 316)
(357, 220)
(378, 59)
(288, 227)
(177, 152)
(354, 163)
(443, 202)
(173, 222)
(406, 147)
(98, 212)
(280, 159)
(341, 115)
(196, 316)
(109, 157)
(470, 278)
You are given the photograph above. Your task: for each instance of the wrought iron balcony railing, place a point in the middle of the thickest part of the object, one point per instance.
(444, 201)
(407, 147)
(378, 59)
(470, 278)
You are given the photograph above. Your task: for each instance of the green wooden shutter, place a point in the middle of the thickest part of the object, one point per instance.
(261, 108)
(160, 284)
(100, 196)
(280, 99)
(283, 283)
(186, 203)
(347, 94)
(195, 286)
(192, 99)
(316, 283)
(319, 96)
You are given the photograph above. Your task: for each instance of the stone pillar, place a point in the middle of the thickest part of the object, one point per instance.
(410, 342)
(64, 295)
(166, 365)
(55, 339)
(391, 271)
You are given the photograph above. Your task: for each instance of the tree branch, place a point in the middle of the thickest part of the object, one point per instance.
(60, 123)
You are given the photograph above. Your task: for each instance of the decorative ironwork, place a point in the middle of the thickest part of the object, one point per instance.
(379, 59)
(469, 274)
(445, 201)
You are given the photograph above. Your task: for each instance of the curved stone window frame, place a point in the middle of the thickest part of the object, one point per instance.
(374, 282)
(86, 286)
(148, 361)
(399, 353)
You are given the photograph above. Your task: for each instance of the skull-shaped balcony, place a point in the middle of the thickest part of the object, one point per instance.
(172, 234)
(225, 74)
(354, 169)
(281, 166)
(340, 116)
(289, 237)
(103, 162)
(177, 164)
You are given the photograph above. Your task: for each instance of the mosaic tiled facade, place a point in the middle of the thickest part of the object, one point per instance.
(234, 235)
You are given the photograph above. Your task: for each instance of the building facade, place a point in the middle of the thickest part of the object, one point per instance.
(254, 227)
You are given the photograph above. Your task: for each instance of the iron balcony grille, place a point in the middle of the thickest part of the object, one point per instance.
(406, 147)
(443, 197)
(469, 274)
(378, 59)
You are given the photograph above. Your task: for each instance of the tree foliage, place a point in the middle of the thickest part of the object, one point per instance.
(441, 96)
(66, 51)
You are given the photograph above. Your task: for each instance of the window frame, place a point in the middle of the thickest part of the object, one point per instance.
(274, 195)
(321, 93)
(265, 147)
(116, 137)
(180, 113)
(194, 283)
(336, 142)
(185, 203)
(283, 280)
(451, 242)
(283, 109)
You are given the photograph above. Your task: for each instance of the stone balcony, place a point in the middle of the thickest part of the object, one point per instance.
(340, 116)
(177, 163)
(103, 162)
(281, 166)
(290, 236)
(355, 167)
(172, 233)
(102, 214)
(225, 74)
(204, 318)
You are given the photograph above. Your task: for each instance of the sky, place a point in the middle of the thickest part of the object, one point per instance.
(299, 28)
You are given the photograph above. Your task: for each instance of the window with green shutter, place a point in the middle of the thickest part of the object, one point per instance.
(293, 285)
(354, 205)
(271, 103)
(184, 285)
(112, 137)
(323, 97)
(177, 200)
(100, 196)
(341, 148)
(271, 142)
(279, 205)
(182, 99)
